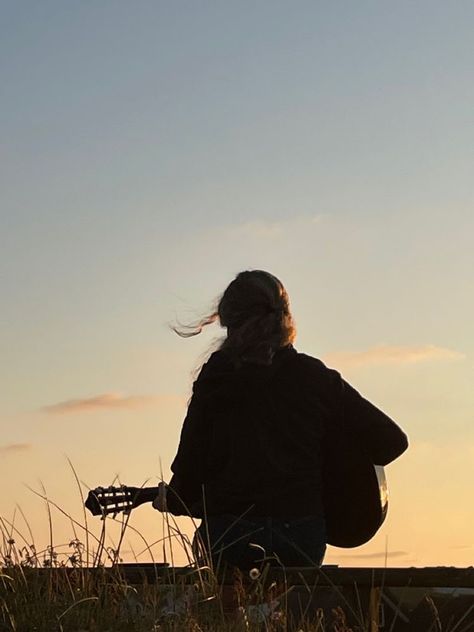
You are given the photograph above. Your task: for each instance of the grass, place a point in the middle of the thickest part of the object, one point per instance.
(72, 588)
(79, 586)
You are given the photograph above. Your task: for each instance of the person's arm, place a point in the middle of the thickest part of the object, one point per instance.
(184, 493)
(377, 434)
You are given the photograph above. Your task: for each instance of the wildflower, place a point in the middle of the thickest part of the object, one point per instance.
(254, 573)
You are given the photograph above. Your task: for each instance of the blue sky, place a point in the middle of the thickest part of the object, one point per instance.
(151, 152)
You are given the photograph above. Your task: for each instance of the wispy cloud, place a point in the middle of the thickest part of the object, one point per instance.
(376, 555)
(10, 448)
(266, 229)
(110, 401)
(387, 354)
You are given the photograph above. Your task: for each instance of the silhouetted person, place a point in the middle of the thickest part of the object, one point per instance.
(251, 451)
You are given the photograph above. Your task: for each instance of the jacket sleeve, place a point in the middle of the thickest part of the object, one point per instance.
(185, 489)
(380, 437)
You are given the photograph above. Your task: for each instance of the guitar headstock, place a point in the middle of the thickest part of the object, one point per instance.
(102, 501)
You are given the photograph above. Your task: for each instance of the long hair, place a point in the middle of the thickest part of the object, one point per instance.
(255, 309)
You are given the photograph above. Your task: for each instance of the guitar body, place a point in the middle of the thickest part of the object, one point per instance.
(355, 495)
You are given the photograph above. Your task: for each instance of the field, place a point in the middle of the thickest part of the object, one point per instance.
(83, 587)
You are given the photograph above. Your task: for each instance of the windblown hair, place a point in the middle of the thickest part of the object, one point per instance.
(255, 309)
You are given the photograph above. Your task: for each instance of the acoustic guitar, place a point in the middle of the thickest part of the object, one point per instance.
(355, 499)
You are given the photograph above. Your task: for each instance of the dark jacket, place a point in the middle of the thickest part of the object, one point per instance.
(254, 438)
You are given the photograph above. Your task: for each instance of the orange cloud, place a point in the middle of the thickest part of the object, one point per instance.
(108, 401)
(387, 354)
(14, 447)
(378, 554)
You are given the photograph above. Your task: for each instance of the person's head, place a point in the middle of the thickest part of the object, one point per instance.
(255, 310)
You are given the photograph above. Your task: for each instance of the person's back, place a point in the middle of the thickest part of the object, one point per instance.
(252, 448)
(263, 433)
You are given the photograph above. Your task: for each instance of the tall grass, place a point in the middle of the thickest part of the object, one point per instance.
(80, 585)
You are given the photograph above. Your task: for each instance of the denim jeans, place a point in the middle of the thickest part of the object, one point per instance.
(247, 542)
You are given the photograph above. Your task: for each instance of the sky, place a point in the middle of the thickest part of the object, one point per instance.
(151, 152)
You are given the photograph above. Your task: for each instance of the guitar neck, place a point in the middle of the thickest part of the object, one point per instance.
(144, 495)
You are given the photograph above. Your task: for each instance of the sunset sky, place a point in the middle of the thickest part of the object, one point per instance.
(152, 150)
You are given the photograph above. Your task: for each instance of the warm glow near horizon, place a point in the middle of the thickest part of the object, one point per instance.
(150, 154)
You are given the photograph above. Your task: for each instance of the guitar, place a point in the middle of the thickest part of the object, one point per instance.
(103, 501)
(355, 505)
(355, 493)
(355, 499)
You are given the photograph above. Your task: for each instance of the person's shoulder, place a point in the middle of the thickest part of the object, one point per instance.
(315, 368)
(214, 368)
(311, 362)
(315, 364)
(218, 361)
